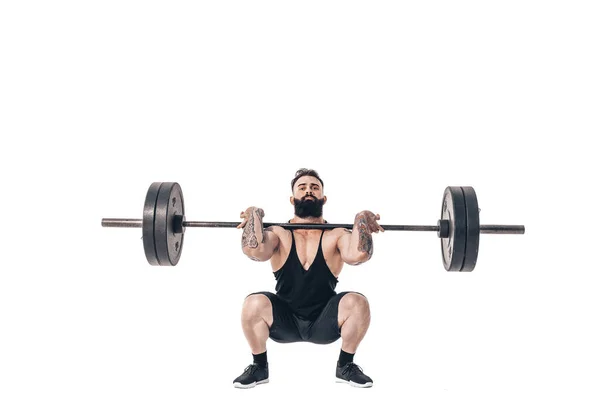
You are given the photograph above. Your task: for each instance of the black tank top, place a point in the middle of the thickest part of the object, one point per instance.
(305, 291)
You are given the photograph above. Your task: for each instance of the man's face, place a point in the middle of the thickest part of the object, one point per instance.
(308, 197)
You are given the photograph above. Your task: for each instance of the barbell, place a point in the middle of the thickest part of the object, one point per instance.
(163, 226)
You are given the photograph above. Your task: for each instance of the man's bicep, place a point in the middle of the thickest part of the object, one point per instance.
(271, 240)
(343, 245)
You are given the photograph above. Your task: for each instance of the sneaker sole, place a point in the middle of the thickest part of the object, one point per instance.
(250, 385)
(358, 385)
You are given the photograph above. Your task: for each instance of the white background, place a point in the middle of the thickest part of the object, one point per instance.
(389, 101)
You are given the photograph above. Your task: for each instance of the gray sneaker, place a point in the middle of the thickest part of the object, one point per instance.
(353, 375)
(253, 375)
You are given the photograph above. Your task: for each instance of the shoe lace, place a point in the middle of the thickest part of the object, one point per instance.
(351, 369)
(251, 368)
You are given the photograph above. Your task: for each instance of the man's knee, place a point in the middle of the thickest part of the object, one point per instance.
(255, 305)
(354, 302)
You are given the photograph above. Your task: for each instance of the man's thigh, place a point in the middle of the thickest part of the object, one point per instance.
(284, 328)
(326, 328)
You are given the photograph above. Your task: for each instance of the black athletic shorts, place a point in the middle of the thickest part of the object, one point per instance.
(289, 327)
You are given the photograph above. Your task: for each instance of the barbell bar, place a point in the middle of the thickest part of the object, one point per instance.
(163, 226)
(137, 223)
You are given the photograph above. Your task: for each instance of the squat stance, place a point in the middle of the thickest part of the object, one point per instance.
(306, 264)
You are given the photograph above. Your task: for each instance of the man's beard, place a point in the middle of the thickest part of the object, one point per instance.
(308, 208)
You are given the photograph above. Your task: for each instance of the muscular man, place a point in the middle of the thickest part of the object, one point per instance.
(306, 264)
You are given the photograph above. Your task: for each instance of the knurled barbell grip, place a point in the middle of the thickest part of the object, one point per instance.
(488, 229)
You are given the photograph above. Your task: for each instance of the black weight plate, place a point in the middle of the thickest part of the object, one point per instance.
(169, 203)
(472, 211)
(454, 246)
(148, 223)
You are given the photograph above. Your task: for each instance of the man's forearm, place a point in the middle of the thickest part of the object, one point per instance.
(253, 234)
(361, 239)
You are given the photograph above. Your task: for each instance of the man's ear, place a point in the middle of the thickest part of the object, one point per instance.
(324, 199)
(292, 200)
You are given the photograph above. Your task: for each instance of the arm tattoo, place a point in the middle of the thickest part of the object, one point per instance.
(249, 236)
(365, 241)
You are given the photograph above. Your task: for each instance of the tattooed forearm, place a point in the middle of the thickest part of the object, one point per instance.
(249, 237)
(365, 241)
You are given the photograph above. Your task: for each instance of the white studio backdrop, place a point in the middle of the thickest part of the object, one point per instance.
(390, 102)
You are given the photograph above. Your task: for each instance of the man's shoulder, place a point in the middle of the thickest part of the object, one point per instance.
(339, 232)
(277, 230)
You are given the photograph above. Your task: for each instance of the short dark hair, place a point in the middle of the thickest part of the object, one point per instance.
(304, 172)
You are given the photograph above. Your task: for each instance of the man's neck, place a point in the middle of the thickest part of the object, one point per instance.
(307, 220)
